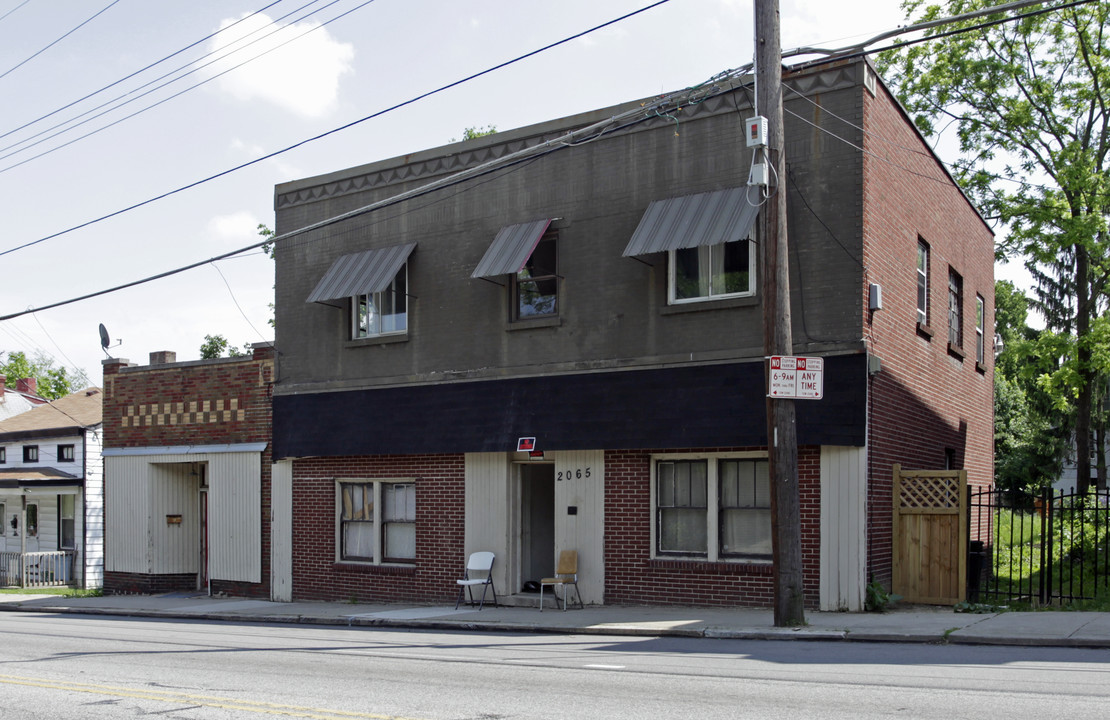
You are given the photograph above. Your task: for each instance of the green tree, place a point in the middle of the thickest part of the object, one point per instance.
(1031, 431)
(53, 381)
(216, 346)
(1029, 103)
(476, 132)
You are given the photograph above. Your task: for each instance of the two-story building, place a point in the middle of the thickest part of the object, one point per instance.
(551, 338)
(52, 494)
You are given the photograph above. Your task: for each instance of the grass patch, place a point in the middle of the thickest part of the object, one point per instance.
(1076, 548)
(62, 591)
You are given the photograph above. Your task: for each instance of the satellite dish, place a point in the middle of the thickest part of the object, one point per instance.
(105, 340)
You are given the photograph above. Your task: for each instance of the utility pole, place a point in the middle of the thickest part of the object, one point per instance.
(782, 437)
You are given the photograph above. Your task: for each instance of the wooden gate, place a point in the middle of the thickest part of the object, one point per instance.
(930, 536)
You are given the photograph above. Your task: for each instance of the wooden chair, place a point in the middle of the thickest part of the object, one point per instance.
(479, 571)
(566, 576)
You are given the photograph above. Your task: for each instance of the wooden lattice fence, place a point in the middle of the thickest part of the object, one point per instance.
(929, 561)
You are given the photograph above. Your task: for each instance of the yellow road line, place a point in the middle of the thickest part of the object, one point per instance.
(202, 700)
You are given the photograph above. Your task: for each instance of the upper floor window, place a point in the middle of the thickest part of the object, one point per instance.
(955, 309)
(65, 453)
(922, 282)
(30, 453)
(980, 342)
(3, 455)
(384, 312)
(714, 508)
(711, 272)
(536, 285)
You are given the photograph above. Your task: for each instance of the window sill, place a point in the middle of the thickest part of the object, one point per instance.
(925, 331)
(957, 352)
(531, 323)
(701, 305)
(372, 569)
(753, 567)
(378, 340)
(980, 368)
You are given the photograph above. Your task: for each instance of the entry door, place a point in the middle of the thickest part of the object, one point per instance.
(537, 522)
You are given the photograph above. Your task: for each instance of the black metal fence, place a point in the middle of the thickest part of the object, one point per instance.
(1051, 548)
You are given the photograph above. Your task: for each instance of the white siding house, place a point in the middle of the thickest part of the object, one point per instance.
(52, 494)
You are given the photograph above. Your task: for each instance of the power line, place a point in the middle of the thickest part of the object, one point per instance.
(55, 42)
(5, 15)
(159, 87)
(649, 111)
(334, 130)
(128, 77)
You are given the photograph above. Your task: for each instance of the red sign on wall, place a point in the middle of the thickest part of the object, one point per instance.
(801, 378)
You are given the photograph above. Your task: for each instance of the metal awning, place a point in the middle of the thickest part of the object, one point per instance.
(511, 249)
(361, 273)
(38, 477)
(709, 218)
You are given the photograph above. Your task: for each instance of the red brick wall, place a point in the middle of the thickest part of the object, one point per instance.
(213, 402)
(439, 530)
(926, 398)
(633, 577)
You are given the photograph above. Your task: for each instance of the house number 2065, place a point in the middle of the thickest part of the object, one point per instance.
(572, 474)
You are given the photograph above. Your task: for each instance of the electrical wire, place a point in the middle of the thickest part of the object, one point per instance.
(159, 87)
(55, 42)
(5, 15)
(623, 120)
(128, 77)
(333, 131)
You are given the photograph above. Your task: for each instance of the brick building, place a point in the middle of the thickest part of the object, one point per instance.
(187, 474)
(588, 288)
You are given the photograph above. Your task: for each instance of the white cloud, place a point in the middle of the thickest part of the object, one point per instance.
(242, 225)
(298, 66)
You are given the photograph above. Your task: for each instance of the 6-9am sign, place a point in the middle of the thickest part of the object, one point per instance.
(796, 377)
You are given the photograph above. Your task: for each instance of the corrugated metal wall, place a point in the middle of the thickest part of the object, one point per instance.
(142, 491)
(235, 516)
(281, 532)
(487, 512)
(127, 515)
(583, 487)
(843, 528)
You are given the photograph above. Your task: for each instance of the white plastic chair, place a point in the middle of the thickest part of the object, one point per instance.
(566, 576)
(479, 571)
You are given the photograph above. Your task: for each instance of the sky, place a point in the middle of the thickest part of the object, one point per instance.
(235, 91)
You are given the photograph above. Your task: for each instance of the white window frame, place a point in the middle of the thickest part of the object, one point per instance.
(396, 323)
(31, 453)
(31, 529)
(922, 282)
(3, 455)
(980, 322)
(63, 500)
(66, 453)
(377, 487)
(672, 268)
(712, 529)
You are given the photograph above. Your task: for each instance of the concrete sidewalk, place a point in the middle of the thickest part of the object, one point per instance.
(909, 624)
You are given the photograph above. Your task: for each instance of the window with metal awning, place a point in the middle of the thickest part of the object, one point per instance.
(362, 273)
(528, 253)
(689, 221)
(706, 237)
(510, 249)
